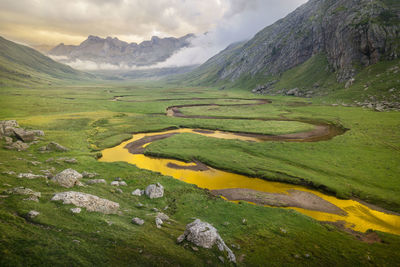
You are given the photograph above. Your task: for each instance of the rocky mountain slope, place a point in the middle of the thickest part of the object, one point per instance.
(117, 52)
(350, 33)
(21, 64)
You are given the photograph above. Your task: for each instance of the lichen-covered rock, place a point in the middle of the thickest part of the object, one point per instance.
(88, 201)
(68, 178)
(155, 191)
(205, 235)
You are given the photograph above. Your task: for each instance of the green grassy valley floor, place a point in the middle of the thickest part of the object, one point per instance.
(362, 163)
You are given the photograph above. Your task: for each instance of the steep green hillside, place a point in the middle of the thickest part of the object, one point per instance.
(323, 43)
(23, 65)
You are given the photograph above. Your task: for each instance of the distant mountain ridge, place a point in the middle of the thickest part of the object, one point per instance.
(349, 33)
(114, 51)
(20, 64)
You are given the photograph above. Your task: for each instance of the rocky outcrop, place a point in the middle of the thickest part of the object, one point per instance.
(205, 235)
(23, 138)
(155, 191)
(347, 32)
(68, 178)
(90, 202)
(116, 52)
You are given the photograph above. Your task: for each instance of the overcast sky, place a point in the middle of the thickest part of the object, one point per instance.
(71, 21)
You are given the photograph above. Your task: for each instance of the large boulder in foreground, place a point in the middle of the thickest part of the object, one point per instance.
(90, 202)
(205, 235)
(68, 178)
(155, 191)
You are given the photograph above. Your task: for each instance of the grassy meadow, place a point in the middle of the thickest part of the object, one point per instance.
(361, 163)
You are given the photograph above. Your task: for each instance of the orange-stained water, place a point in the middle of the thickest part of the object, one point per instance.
(359, 217)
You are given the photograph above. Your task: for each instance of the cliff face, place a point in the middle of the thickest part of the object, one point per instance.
(113, 51)
(349, 32)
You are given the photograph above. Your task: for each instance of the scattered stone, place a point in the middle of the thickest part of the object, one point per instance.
(33, 213)
(48, 173)
(195, 248)
(76, 210)
(283, 231)
(221, 259)
(115, 183)
(18, 145)
(67, 160)
(226, 223)
(204, 235)
(68, 178)
(122, 183)
(118, 179)
(119, 190)
(139, 205)
(38, 132)
(76, 241)
(49, 160)
(33, 196)
(30, 176)
(35, 163)
(244, 221)
(166, 207)
(53, 146)
(9, 172)
(137, 221)
(159, 222)
(154, 209)
(297, 256)
(96, 181)
(162, 216)
(86, 174)
(293, 92)
(90, 202)
(155, 191)
(138, 192)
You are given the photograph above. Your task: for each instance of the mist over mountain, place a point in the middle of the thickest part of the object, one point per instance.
(112, 53)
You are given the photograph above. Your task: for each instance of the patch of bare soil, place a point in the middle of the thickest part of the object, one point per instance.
(369, 237)
(294, 198)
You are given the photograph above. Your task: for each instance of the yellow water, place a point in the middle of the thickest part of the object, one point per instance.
(359, 217)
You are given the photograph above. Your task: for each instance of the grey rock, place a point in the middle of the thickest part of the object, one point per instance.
(34, 196)
(138, 192)
(155, 191)
(8, 140)
(33, 213)
(159, 222)
(115, 183)
(30, 176)
(18, 145)
(162, 216)
(88, 201)
(96, 181)
(53, 146)
(86, 174)
(25, 136)
(122, 183)
(137, 221)
(204, 235)
(68, 178)
(76, 210)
